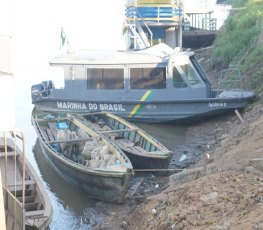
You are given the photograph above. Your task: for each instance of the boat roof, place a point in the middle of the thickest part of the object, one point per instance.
(156, 54)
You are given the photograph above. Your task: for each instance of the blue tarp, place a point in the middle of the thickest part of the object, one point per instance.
(50, 116)
(62, 125)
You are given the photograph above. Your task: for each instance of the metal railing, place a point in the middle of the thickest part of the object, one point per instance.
(209, 23)
(232, 79)
(155, 13)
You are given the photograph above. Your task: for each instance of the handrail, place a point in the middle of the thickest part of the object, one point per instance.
(159, 12)
(232, 77)
(151, 34)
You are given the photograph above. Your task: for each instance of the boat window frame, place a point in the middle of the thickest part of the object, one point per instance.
(148, 65)
(193, 67)
(106, 67)
(182, 76)
(198, 67)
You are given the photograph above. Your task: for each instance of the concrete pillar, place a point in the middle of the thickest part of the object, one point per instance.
(170, 37)
(173, 36)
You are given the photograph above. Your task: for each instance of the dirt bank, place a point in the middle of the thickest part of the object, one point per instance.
(228, 197)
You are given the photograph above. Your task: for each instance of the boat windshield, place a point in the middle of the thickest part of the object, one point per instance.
(178, 81)
(198, 68)
(184, 71)
(37, 88)
(190, 73)
(202, 74)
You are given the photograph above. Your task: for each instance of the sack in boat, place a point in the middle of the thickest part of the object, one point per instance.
(93, 163)
(111, 161)
(86, 153)
(104, 151)
(95, 153)
(104, 164)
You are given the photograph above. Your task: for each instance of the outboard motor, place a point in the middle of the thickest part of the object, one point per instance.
(48, 86)
(37, 91)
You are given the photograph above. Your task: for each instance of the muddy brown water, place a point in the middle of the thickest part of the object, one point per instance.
(72, 208)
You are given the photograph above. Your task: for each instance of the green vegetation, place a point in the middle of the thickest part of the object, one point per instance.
(241, 42)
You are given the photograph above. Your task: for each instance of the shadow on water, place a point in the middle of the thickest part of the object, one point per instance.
(169, 135)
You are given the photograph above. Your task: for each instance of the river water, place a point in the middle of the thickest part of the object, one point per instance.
(71, 206)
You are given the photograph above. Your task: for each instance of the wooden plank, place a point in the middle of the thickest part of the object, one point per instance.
(28, 199)
(8, 171)
(19, 183)
(44, 133)
(52, 126)
(31, 206)
(9, 154)
(119, 130)
(139, 149)
(50, 135)
(69, 141)
(35, 213)
(124, 142)
(53, 119)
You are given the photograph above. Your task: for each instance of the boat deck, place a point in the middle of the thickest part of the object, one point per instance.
(123, 142)
(12, 172)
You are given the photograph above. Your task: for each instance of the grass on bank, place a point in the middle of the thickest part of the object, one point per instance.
(241, 42)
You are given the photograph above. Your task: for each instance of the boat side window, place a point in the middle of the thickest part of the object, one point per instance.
(148, 78)
(191, 74)
(105, 79)
(178, 81)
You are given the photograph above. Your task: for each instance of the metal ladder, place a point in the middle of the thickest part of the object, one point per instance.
(136, 31)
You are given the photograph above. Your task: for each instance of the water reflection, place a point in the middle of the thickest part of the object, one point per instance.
(71, 206)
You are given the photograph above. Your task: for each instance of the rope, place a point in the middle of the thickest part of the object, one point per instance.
(157, 170)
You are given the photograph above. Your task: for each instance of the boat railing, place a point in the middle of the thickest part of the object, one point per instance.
(232, 79)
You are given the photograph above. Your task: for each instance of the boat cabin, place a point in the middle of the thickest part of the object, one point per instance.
(126, 75)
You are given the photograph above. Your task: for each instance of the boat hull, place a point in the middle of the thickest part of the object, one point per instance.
(102, 186)
(146, 162)
(149, 111)
(107, 183)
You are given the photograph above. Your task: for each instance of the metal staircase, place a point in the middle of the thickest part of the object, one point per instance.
(160, 20)
(136, 32)
(140, 38)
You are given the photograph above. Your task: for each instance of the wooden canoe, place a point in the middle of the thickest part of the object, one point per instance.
(36, 213)
(104, 181)
(144, 151)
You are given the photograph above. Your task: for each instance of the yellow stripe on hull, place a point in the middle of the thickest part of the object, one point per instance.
(138, 106)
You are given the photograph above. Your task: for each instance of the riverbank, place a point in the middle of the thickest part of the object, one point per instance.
(228, 194)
